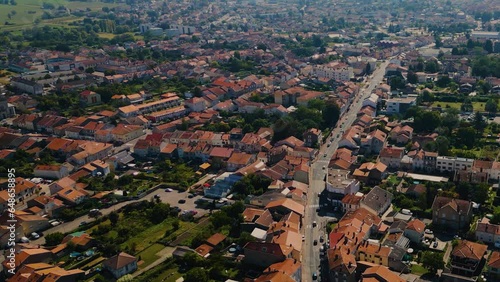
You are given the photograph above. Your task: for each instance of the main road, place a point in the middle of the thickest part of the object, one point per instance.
(310, 253)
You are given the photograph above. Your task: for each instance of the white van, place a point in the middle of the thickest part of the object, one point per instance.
(406, 211)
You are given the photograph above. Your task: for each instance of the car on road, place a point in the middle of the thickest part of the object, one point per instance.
(315, 276)
(315, 223)
(83, 223)
(331, 139)
(328, 145)
(318, 210)
(315, 242)
(181, 201)
(55, 223)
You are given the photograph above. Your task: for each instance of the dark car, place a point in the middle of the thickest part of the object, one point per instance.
(182, 201)
(315, 242)
(190, 196)
(315, 276)
(83, 223)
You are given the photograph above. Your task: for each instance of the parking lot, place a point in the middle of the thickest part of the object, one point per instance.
(172, 198)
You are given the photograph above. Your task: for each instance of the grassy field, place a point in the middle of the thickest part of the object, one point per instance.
(154, 233)
(418, 269)
(478, 106)
(148, 255)
(27, 11)
(169, 275)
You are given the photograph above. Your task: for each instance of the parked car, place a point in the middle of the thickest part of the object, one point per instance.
(315, 242)
(315, 276)
(435, 245)
(190, 196)
(169, 190)
(34, 235)
(182, 201)
(315, 223)
(83, 223)
(428, 231)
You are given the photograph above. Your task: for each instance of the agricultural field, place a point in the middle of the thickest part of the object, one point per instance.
(26, 12)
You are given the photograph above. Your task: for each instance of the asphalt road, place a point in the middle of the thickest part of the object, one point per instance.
(310, 255)
(171, 198)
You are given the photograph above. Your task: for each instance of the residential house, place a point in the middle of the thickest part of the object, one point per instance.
(28, 256)
(124, 133)
(30, 222)
(51, 171)
(487, 232)
(81, 240)
(400, 105)
(377, 200)
(121, 264)
(374, 253)
(449, 213)
(281, 207)
(266, 254)
(338, 184)
(88, 97)
(371, 172)
(26, 121)
(452, 164)
(351, 202)
(49, 205)
(313, 137)
(494, 265)
(239, 160)
(391, 157)
(415, 231)
(401, 134)
(46, 272)
(380, 273)
(287, 270)
(256, 218)
(466, 258)
(27, 86)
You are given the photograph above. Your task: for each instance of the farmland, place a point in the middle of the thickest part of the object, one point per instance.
(26, 12)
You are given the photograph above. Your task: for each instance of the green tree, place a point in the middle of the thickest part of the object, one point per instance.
(197, 274)
(412, 77)
(331, 113)
(427, 121)
(54, 239)
(442, 145)
(113, 218)
(466, 136)
(488, 46)
(479, 123)
(491, 106)
(432, 261)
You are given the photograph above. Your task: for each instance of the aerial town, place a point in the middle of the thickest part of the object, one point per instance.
(250, 140)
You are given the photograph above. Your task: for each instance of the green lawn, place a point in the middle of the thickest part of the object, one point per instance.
(478, 106)
(153, 234)
(149, 255)
(169, 275)
(27, 11)
(418, 269)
